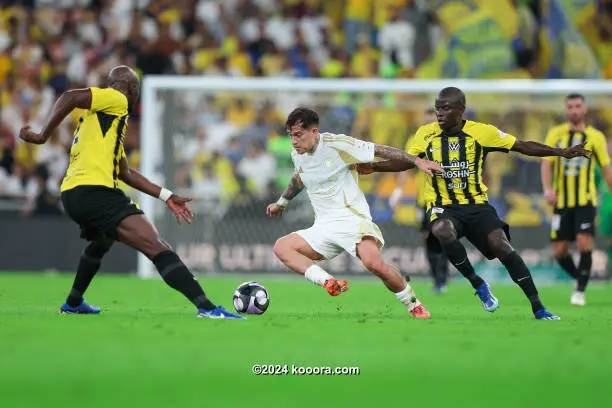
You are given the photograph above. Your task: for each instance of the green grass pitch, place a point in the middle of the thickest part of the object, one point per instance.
(147, 349)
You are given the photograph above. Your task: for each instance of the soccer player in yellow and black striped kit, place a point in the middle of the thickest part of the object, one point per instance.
(457, 199)
(92, 200)
(438, 264)
(569, 185)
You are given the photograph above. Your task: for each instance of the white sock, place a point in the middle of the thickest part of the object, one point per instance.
(317, 275)
(406, 296)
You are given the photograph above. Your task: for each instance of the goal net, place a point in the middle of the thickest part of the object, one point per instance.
(222, 142)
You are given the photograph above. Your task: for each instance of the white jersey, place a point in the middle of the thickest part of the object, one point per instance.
(330, 176)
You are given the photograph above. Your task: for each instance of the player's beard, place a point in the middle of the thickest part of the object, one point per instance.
(577, 121)
(315, 144)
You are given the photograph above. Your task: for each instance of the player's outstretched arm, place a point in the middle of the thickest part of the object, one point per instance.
(537, 149)
(399, 160)
(77, 98)
(293, 189)
(133, 178)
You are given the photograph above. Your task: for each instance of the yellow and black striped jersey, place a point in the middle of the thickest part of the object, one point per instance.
(462, 156)
(97, 147)
(574, 179)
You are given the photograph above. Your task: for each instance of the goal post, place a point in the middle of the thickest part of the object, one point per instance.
(193, 128)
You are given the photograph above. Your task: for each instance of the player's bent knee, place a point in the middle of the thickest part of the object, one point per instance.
(281, 247)
(584, 243)
(444, 231)
(560, 250)
(374, 264)
(98, 249)
(499, 244)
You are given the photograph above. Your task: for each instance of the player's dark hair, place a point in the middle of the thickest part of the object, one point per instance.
(453, 95)
(575, 96)
(302, 116)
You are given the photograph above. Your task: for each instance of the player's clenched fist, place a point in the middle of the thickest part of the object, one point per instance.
(275, 210)
(27, 134)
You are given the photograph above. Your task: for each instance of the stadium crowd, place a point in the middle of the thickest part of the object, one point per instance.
(49, 46)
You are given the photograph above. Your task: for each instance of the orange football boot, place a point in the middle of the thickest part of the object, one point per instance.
(420, 312)
(335, 286)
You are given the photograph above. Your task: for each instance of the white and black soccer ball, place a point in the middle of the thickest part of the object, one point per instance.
(251, 298)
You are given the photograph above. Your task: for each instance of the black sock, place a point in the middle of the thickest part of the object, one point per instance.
(177, 276)
(457, 255)
(521, 276)
(442, 268)
(438, 265)
(567, 263)
(584, 270)
(89, 264)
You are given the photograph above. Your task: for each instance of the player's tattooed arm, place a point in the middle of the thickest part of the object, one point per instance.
(69, 100)
(392, 153)
(294, 187)
(537, 149)
(277, 209)
(399, 160)
(388, 166)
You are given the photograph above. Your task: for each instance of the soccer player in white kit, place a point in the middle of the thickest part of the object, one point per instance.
(325, 164)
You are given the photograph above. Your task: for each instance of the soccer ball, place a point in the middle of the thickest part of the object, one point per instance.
(251, 298)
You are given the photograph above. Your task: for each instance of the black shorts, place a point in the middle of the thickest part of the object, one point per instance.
(566, 223)
(473, 221)
(98, 210)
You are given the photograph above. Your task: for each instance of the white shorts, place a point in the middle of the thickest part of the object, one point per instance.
(332, 237)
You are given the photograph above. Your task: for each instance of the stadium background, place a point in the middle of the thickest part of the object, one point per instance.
(231, 152)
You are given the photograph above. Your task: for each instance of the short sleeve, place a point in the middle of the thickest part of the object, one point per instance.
(417, 145)
(600, 150)
(493, 138)
(551, 140)
(109, 101)
(351, 150)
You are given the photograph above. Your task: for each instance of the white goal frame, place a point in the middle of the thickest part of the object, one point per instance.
(152, 84)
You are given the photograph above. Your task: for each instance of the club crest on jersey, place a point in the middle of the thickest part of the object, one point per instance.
(454, 146)
(437, 210)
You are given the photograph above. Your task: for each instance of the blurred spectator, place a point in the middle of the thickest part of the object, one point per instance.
(54, 157)
(396, 41)
(364, 62)
(43, 202)
(357, 15)
(336, 66)
(257, 132)
(272, 63)
(281, 29)
(526, 44)
(208, 187)
(257, 168)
